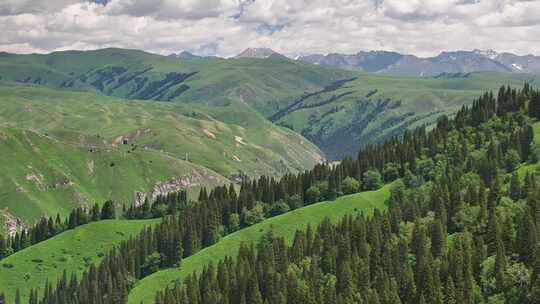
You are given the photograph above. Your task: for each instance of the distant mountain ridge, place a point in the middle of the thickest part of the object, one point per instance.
(445, 63)
(186, 55)
(260, 53)
(394, 63)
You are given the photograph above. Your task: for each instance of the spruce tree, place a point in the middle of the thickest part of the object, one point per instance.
(527, 239)
(18, 296)
(108, 211)
(500, 266)
(515, 187)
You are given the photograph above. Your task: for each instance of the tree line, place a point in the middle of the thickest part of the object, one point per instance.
(47, 227)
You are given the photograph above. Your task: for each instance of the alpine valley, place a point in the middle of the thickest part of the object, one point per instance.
(376, 177)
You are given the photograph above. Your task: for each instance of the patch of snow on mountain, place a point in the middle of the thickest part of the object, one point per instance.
(491, 54)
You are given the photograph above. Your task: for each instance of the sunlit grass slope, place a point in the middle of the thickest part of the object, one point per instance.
(43, 176)
(72, 251)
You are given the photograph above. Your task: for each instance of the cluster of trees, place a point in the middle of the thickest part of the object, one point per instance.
(49, 227)
(164, 205)
(461, 227)
(371, 260)
(453, 183)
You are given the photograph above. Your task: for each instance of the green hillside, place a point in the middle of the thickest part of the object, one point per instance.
(370, 107)
(140, 75)
(338, 110)
(245, 142)
(284, 225)
(43, 176)
(75, 153)
(72, 251)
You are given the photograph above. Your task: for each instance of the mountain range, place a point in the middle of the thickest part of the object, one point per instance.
(394, 63)
(445, 63)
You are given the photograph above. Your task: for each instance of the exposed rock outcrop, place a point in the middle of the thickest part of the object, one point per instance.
(163, 188)
(173, 185)
(37, 179)
(138, 198)
(66, 183)
(12, 223)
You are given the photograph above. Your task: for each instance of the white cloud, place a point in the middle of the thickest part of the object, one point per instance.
(11, 7)
(172, 9)
(225, 27)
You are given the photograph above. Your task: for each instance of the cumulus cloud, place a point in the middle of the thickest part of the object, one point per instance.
(225, 27)
(11, 7)
(172, 9)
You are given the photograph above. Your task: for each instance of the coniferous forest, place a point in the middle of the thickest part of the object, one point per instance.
(461, 225)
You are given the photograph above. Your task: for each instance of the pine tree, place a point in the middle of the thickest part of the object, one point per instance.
(526, 239)
(515, 187)
(438, 238)
(450, 292)
(18, 297)
(500, 266)
(534, 105)
(95, 213)
(108, 211)
(3, 247)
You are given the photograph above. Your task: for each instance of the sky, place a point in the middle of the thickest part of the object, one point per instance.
(291, 27)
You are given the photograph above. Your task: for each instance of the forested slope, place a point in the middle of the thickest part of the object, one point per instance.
(461, 228)
(284, 226)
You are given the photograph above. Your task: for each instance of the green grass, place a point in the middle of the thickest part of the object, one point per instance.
(43, 176)
(373, 107)
(259, 83)
(206, 134)
(75, 137)
(71, 251)
(284, 225)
